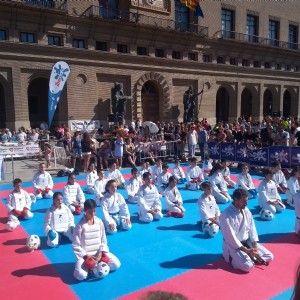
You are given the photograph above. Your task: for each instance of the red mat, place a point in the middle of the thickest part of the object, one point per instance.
(219, 280)
(27, 275)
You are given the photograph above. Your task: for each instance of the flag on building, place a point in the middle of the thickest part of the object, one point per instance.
(194, 6)
(58, 78)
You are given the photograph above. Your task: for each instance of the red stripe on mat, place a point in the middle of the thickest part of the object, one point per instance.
(27, 275)
(219, 281)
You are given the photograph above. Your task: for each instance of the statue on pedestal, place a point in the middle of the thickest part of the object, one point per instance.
(189, 104)
(118, 102)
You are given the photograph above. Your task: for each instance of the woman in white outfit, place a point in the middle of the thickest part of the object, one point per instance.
(90, 244)
(173, 200)
(293, 186)
(115, 210)
(219, 185)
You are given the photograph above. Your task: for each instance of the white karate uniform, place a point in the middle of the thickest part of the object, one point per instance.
(245, 182)
(117, 176)
(279, 179)
(99, 190)
(208, 208)
(267, 191)
(73, 195)
(60, 220)
(132, 187)
(293, 188)
(178, 173)
(206, 167)
(148, 199)
(173, 197)
(90, 180)
(194, 173)
(42, 181)
(163, 181)
(297, 211)
(219, 185)
(17, 201)
(115, 211)
(226, 174)
(238, 226)
(155, 173)
(90, 240)
(142, 171)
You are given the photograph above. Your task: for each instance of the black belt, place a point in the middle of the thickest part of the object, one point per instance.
(114, 214)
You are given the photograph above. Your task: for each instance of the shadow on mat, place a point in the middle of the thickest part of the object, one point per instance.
(15, 242)
(61, 270)
(3, 220)
(200, 261)
(181, 227)
(40, 210)
(279, 238)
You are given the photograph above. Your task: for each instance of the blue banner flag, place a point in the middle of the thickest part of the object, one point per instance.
(58, 78)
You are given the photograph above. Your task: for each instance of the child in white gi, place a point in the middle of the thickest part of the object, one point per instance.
(226, 174)
(149, 204)
(90, 179)
(245, 182)
(194, 175)
(18, 205)
(240, 240)
(268, 197)
(90, 244)
(133, 185)
(144, 169)
(173, 200)
(279, 178)
(209, 210)
(157, 170)
(297, 212)
(59, 220)
(99, 188)
(163, 179)
(178, 172)
(293, 186)
(42, 183)
(114, 173)
(219, 185)
(206, 166)
(115, 210)
(73, 195)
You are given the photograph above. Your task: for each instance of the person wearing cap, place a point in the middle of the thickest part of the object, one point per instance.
(240, 240)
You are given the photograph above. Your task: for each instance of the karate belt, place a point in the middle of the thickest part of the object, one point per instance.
(114, 214)
(257, 260)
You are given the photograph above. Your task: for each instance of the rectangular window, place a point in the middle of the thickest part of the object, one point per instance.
(220, 60)
(192, 56)
(256, 64)
(206, 58)
(102, 46)
(267, 65)
(252, 28)
(227, 23)
(176, 55)
(287, 67)
(142, 51)
(273, 33)
(77, 43)
(2, 35)
(122, 48)
(159, 53)
(232, 61)
(296, 69)
(278, 66)
(54, 40)
(293, 37)
(27, 37)
(245, 63)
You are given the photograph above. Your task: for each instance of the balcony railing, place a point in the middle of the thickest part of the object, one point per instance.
(56, 4)
(242, 37)
(139, 18)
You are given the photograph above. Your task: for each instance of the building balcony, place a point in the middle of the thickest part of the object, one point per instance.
(52, 4)
(254, 39)
(144, 20)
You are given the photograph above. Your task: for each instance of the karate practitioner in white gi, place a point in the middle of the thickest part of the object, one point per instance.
(73, 195)
(226, 174)
(18, 205)
(245, 182)
(194, 175)
(279, 178)
(133, 185)
(90, 179)
(42, 183)
(178, 172)
(115, 210)
(240, 243)
(59, 220)
(297, 212)
(90, 244)
(163, 179)
(149, 204)
(293, 186)
(99, 187)
(114, 173)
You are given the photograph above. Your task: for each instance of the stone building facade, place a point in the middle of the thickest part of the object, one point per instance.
(243, 54)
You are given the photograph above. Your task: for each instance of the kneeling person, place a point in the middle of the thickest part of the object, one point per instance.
(59, 220)
(42, 183)
(240, 243)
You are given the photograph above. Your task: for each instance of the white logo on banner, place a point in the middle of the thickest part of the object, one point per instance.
(84, 125)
